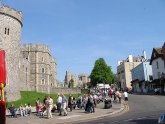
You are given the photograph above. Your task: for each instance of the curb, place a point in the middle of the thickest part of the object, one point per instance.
(122, 110)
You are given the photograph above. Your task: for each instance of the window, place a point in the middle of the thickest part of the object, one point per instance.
(7, 31)
(157, 65)
(43, 82)
(42, 59)
(43, 70)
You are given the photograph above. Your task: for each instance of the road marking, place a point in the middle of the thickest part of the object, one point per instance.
(67, 117)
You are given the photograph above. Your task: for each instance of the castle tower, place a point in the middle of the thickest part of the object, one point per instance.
(42, 67)
(10, 36)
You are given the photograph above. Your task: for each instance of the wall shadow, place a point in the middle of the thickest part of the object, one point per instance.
(145, 121)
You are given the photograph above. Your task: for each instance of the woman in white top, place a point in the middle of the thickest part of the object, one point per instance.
(126, 97)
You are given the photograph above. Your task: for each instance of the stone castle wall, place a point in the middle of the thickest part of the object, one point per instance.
(10, 35)
(24, 73)
(11, 12)
(42, 66)
(53, 77)
(29, 67)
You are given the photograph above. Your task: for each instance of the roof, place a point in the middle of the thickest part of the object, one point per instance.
(158, 50)
(156, 53)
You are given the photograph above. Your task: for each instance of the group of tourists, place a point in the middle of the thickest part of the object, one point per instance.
(116, 96)
(24, 110)
(86, 102)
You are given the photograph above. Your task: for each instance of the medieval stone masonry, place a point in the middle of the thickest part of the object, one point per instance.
(29, 67)
(77, 80)
(10, 35)
(42, 67)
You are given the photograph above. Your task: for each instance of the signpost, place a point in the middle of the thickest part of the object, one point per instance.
(2, 85)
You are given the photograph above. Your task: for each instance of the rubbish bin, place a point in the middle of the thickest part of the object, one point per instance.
(107, 104)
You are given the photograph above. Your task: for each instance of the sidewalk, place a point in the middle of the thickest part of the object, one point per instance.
(74, 116)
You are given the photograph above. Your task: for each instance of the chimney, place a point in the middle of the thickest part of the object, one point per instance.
(130, 58)
(144, 54)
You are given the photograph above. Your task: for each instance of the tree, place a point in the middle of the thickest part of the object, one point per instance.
(101, 73)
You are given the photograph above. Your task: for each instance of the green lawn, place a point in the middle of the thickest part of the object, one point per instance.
(30, 97)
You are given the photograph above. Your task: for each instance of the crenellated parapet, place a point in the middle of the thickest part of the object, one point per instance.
(12, 13)
(35, 48)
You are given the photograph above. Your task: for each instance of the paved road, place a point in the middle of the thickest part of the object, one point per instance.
(143, 110)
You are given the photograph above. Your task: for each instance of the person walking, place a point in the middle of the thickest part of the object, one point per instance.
(79, 102)
(59, 104)
(119, 96)
(126, 97)
(64, 105)
(49, 103)
(92, 103)
(70, 102)
(38, 106)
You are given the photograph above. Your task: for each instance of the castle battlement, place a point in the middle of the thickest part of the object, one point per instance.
(12, 13)
(35, 48)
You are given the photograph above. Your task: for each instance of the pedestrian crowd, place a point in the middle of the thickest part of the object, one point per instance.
(86, 102)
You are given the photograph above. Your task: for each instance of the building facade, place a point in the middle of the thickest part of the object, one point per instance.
(29, 67)
(10, 37)
(141, 76)
(158, 67)
(124, 70)
(77, 80)
(42, 67)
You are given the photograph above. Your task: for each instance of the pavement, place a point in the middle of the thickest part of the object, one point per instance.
(77, 115)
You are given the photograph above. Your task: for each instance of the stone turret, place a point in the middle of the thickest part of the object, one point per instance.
(10, 37)
(42, 66)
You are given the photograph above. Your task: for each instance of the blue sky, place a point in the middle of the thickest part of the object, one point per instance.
(81, 31)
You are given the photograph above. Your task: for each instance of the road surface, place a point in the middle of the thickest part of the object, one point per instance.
(143, 109)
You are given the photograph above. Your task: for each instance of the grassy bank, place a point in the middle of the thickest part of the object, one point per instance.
(30, 97)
